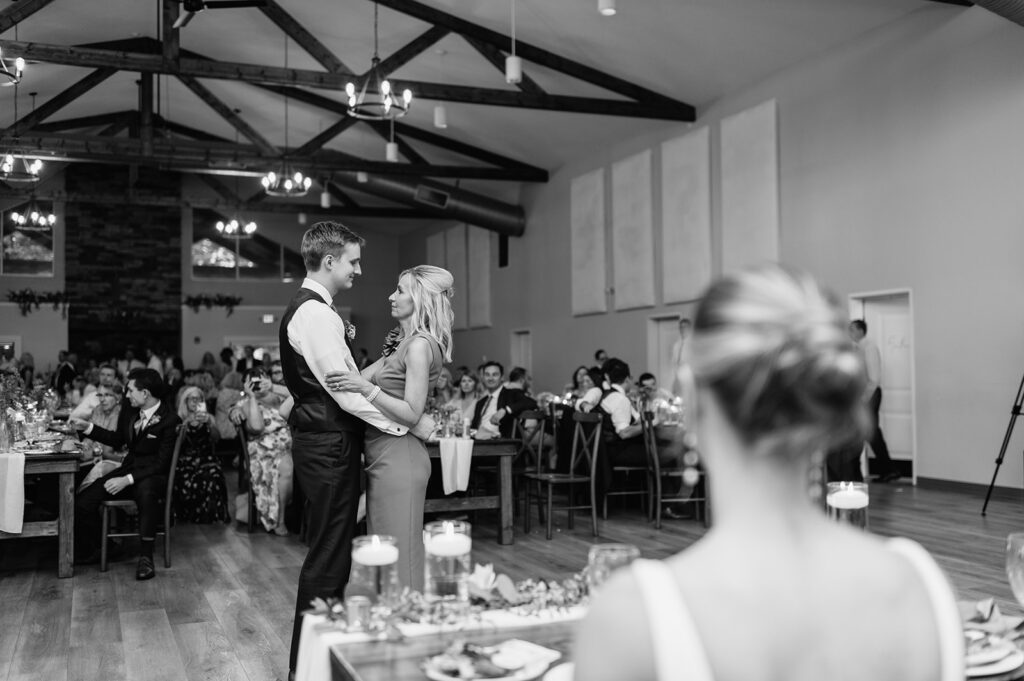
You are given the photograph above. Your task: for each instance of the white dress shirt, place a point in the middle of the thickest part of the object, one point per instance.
(872, 363)
(318, 334)
(620, 409)
(488, 429)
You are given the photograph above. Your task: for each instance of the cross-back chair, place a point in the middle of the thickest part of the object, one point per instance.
(660, 475)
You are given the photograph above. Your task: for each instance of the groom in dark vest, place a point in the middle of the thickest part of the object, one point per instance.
(327, 427)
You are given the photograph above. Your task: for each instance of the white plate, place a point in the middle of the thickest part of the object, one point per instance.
(1007, 664)
(530, 671)
(563, 672)
(996, 649)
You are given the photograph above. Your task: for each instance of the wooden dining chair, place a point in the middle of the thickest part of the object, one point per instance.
(129, 506)
(529, 428)
(660, 475)
(586, 442)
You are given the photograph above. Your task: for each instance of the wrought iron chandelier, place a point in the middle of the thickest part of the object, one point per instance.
(15, 167)
(11, 76)
(375, 100)
(286, 181)
(33, 219)
(235, 228)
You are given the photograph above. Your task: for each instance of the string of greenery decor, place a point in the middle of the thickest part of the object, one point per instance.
(218, 300)
(26, 299)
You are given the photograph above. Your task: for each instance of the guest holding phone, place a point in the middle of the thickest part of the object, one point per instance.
(200, 491)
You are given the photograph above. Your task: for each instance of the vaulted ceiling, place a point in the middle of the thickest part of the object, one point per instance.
(112, 81)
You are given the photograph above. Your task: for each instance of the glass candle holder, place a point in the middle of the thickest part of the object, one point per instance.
(447, 545)
(375, 571)
(847, 502)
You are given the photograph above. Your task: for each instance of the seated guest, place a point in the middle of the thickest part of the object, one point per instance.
(270, 449)
(466, 396)
(774, 590)
(229, 395)
(519, 379)
(105, 416)
(28, 368)
(64, 375)
(495, 412)
(128, 363)
(149, 428)
(248, 360)
(210, 365)
(200, 491)
(648, 393)
(277, 379)
(89, 403)
(74, 396)
(590, 386)
(572, 388)
(443, 391)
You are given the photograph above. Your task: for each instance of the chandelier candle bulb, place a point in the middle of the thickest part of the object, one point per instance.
(606, 7)
(440, 117)
(325, 199)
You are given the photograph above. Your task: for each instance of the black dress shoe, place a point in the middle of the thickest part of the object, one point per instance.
(676, 514)
(145, 569)
(891, 477)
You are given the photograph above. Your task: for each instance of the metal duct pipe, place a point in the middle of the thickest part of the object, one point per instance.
(457, 204)
(1008, 9)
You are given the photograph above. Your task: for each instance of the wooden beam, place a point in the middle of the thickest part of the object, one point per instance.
(317, 143)
(170, 42)
(126, 119)
(961, 3)
(188, 131)
(189, 154)
(416, 47)
(661, 108)
(58, 102)
(81, 122)
(143, 199)
(384, 130)
(220, 188)
(497, 58)
(19, 11)
(343, 197)
(528, 52)
(228, 114)
(458, 147)
(306, 40)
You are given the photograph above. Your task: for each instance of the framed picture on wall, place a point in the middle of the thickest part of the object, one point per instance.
(26, 244)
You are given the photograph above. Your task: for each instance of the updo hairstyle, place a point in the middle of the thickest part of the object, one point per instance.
(773, 348)
(431, 291)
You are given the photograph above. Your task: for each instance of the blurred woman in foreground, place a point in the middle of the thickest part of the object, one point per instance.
(774, 590)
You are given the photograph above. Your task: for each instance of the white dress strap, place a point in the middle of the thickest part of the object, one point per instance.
(947, 615)
(674, 637)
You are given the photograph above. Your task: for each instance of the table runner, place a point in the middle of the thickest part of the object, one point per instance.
(12, 492)
(318, 635)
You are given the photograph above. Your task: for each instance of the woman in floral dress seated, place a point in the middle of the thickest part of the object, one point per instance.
(270, 449)
(201, 494)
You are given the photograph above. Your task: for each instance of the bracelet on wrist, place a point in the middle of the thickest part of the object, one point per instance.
(373, 394)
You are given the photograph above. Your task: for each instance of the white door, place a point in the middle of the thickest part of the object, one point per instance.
(890, 325)
(522, 350)
(662, 333)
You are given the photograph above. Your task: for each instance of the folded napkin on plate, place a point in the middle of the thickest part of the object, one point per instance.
(456, 454)
(12, 492)
(984, 616)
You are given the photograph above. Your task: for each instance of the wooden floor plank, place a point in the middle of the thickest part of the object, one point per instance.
(260, 650)
(150, 650)
(94, 611)
(183, 598)
(12, 612)
(207, 652)
(42, 648)
(97, 661)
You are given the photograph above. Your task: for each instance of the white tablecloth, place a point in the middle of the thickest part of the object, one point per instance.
(12, 492)
(456, 455)
(318, 635)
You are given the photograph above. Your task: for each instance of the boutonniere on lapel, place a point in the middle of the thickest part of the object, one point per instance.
(153, 421)
(350, 329)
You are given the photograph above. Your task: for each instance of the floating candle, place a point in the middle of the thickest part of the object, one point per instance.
(448, 543)
(375, 553)
(848, 499)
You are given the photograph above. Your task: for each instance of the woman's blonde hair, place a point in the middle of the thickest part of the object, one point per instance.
(774, 349)
(186, 392)
(431, 292)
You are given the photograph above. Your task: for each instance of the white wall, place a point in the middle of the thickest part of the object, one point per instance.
(43, 332)
(901, 162)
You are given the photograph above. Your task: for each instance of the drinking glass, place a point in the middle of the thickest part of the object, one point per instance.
(603, 559)
(374, 571)
(447, 545)
(847, 502)
(1015, 564)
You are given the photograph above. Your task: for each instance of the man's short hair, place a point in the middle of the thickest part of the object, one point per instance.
(326, 238)
(860, 325)
(492, 363)
(646, 376)
(598, 353)
(516, 374)
(116, 388)
(148, 379)
(107, 365)
(616, 370)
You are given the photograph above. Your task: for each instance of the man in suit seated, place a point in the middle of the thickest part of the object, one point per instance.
(149, 427)
(495, 412)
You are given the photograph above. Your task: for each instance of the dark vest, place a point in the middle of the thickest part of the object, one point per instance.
(314, 410)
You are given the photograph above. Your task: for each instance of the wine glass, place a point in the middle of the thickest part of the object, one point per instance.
(1015, 564)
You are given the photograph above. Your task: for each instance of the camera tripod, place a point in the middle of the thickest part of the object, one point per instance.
(1014, 413)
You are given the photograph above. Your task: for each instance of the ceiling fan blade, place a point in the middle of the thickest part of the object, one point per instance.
(183, 19)
(226, 4)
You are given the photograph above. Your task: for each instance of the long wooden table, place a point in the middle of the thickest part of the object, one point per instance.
(502, 450)
(64, 465)
(400, 661)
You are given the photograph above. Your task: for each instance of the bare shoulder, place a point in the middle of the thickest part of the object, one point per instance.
(613, 641)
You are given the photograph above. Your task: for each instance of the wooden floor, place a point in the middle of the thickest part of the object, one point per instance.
(223, 611)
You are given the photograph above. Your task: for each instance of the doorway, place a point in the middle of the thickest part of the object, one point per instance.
(662, 334)
(890, 320)
(522, 350)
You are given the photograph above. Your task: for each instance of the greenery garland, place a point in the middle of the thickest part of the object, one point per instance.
(28, 298)
(219, 300)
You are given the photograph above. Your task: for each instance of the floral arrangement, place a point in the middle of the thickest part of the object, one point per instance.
(488, 591)
(12, 393)
(219, 300)
(27, 298)
(350, 329)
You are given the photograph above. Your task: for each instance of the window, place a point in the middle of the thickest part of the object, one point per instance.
(218, 256)
(26, 250)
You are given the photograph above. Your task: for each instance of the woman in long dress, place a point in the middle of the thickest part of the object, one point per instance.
(200, 491)
(397, 468)
(775, 590)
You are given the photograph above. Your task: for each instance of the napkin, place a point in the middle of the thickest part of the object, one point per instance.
(984, 616)
(12, 492)
(456, 454)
